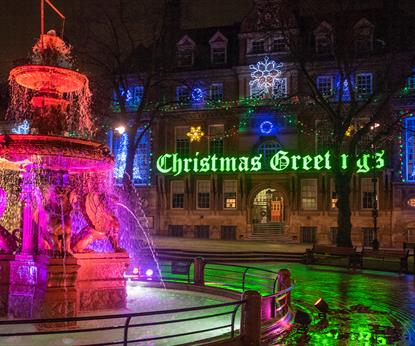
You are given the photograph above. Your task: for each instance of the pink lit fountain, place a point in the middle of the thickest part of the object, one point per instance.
(55, 196)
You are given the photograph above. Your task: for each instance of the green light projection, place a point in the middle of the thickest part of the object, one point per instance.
(281, 161)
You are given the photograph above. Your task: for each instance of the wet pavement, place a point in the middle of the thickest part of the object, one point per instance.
(365, 308)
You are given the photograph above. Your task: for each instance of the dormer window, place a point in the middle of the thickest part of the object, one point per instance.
(363, 36)
(324, 39)
(218, 49)
(323, 45)
(218, 55)
(185, 52)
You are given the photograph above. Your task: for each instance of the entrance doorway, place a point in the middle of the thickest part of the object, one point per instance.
(268, 207)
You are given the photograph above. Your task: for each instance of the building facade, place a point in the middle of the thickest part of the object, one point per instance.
(239, 95)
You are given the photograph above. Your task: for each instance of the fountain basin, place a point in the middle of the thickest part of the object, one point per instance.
(57, 152)
(48, 78)
(141, 298)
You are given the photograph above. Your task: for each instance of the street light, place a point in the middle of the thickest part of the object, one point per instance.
(120, 129)
(375, 241)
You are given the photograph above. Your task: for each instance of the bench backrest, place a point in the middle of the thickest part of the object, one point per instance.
(386, 253)
(333, 249)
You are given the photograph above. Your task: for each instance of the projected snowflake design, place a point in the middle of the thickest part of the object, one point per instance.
(21, 129)
(195, 133)
(264, 75)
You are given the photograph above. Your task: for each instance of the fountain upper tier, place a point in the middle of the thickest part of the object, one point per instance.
(49, 92)
(48, 78)
(57, 152)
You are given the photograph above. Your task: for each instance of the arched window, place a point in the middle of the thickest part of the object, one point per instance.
(268, 150)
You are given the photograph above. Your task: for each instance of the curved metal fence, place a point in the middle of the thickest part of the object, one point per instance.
(126, 327)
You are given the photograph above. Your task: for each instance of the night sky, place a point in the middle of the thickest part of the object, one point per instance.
(19, 21)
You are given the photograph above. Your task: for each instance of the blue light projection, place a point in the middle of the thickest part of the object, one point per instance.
(266, 127)
(21, 129)
(409, 144)
(263, 76)
(346, 91)
(142, 158)
(132, 96)
(197, 95)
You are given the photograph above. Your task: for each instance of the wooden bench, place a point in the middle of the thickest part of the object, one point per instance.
(355, 258)
(389, 254)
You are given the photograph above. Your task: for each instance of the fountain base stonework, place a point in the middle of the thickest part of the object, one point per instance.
(100, 281)
(63, 287)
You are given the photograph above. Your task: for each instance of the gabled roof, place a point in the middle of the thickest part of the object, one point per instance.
(186, 41)
(218, 38)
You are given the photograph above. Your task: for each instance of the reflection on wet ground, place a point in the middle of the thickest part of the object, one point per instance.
(367, 308)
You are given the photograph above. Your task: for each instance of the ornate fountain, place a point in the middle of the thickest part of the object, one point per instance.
(56, 200)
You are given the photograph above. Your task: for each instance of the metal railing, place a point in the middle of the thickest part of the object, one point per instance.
(127, 325)
(251, 277)
(228, 276)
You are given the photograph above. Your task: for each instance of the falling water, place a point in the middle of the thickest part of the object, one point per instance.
(148, 240)
(65, 288)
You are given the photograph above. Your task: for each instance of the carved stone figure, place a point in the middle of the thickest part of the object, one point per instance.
(58, 207)
(97, 210)
(9, 242)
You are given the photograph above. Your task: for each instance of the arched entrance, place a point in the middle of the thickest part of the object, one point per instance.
(268, 209)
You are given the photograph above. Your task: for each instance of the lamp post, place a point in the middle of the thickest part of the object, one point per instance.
(269, 205)
(375, 242)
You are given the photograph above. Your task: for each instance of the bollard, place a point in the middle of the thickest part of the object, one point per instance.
(199, 271)
(251, 319)
(284, 282)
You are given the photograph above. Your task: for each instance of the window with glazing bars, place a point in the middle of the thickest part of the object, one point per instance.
(183, 94)
(216, 92)
(367, 193)
(176, 230)
(268, 149)
(216, 133)
(177, 194)
(202, 231)
(325, 85)
(228, 233)
(203, 194)
(182, 141)
(218, 55)
(411, 83)
(308, 234)
(258, 47)
(279, 45)
(184, 56)
(364, 84)
(229, 194)
(333, 195)
(309, 194)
